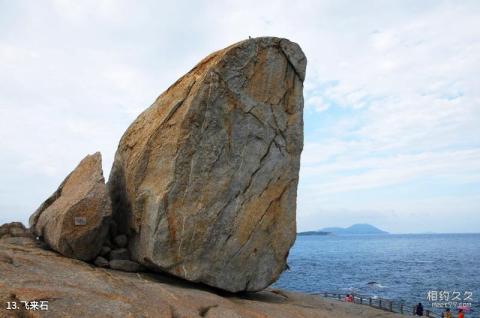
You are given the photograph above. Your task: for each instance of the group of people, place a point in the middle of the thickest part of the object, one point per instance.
(418, 309)
(446, 314)
(349, 298)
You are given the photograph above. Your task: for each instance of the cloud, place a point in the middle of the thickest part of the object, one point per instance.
(391, 95)
(318, 103)
(350, 174)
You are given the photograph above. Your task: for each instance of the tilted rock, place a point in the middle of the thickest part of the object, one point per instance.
(74, 220)
(204, 181)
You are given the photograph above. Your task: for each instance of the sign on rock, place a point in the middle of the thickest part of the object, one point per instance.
(80, 220)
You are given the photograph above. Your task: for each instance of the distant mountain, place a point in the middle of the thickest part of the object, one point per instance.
(356, 229)
(313, 233)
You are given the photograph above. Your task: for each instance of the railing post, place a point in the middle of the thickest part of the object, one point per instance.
(390, 306)
(401, 308)
(361, 300)
(353, 298)
(414, 311)
(339, 297)
(428, 313)
(370, 301)
(380, 303)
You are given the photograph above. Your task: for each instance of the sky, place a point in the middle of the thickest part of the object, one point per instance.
(392, 97)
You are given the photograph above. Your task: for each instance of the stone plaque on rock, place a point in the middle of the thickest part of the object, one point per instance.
(80, 220)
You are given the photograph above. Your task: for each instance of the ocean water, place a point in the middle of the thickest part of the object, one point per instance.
(398, 267)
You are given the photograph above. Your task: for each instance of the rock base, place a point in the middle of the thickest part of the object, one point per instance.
(75, 289)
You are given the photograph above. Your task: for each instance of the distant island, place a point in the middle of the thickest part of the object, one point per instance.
(356, 229)
(313, 233)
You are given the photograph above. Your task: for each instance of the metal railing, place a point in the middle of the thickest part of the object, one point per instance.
(398, 307)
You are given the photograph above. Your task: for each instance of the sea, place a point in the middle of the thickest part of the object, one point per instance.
(437, 270)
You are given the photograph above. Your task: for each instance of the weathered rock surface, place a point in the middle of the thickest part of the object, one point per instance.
(204, 181)
(74, 220)
(76, 289)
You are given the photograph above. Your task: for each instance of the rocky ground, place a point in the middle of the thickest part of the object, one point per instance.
(29, 272)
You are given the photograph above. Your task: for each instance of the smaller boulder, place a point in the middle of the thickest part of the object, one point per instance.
(125, 265)
(101, 262)
(119, 254)
(75, 219)
(121, 240)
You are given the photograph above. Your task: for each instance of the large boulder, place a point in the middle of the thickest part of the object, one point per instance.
(74, 220)
(204, 181)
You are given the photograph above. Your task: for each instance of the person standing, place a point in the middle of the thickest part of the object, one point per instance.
(460, 313)
(350, 298)
(419, 309)
(447, 313)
